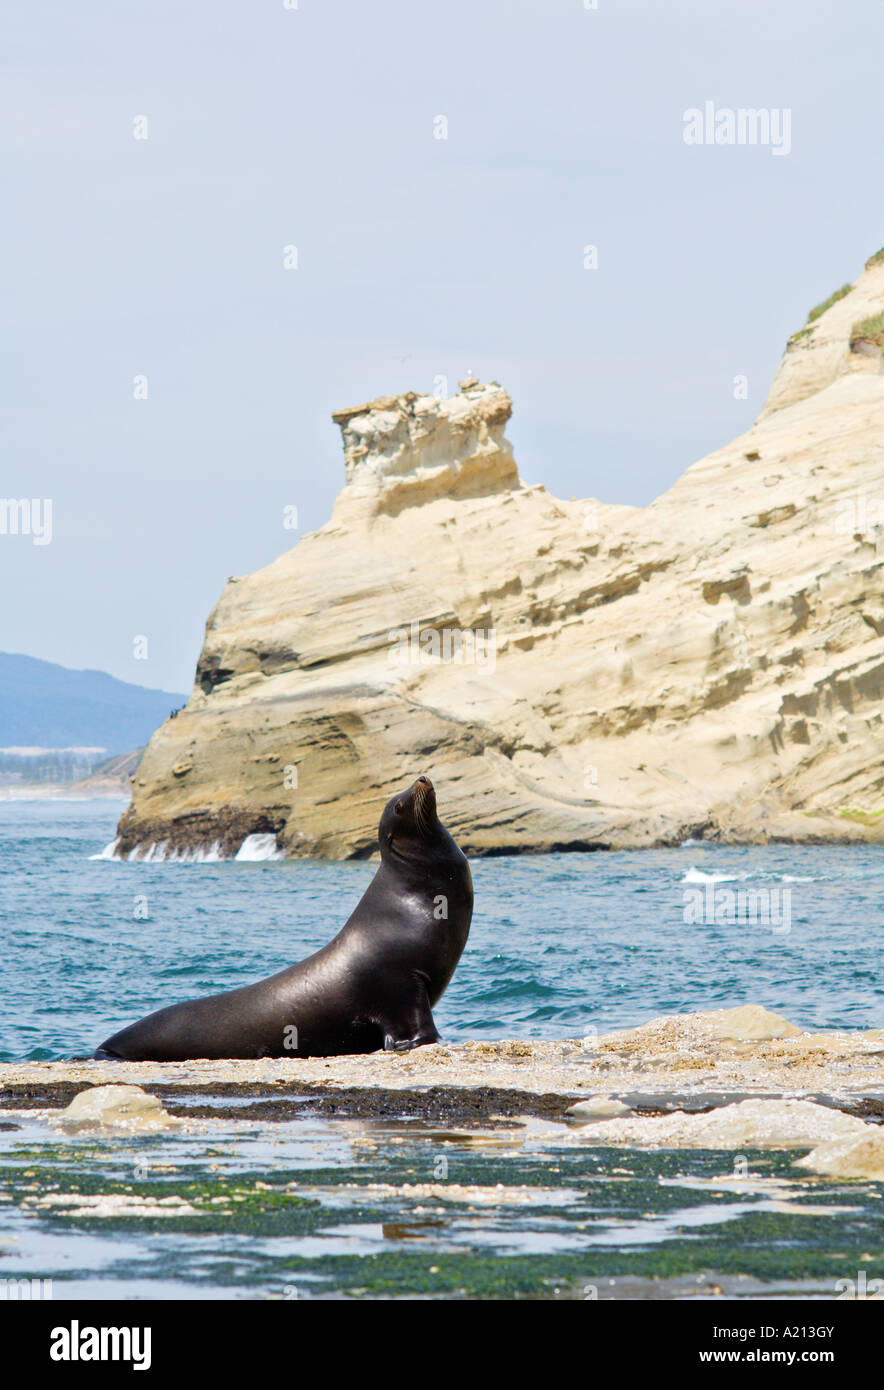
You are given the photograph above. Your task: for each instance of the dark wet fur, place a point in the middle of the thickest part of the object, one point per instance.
(373, 986)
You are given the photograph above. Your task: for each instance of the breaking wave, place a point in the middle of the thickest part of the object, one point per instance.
(257, 847)
(254, 849)
(697, 876)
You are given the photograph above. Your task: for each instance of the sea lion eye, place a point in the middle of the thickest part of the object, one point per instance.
(398, 808)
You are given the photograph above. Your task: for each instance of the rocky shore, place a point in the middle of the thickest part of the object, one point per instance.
(733, 1078)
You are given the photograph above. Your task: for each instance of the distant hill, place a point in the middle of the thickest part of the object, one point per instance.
(47, 706)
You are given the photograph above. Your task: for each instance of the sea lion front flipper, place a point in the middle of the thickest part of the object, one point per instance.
(392, 1044)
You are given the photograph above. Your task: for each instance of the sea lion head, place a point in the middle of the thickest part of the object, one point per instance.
(410, 818)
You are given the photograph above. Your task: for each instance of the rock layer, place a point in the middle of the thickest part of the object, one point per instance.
(572, 674)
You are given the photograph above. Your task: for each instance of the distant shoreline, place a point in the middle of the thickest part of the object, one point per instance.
(62, 793)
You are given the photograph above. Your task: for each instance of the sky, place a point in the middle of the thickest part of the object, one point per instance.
(167, 379)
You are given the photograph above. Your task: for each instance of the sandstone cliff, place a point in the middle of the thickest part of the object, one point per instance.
(570, 674)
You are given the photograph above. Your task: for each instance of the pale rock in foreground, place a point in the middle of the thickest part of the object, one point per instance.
(126, 1108)
(709, 665)
(598, 1108)
(750, 1023)
(852, 1157)
(744, 1023)
(748, 1124)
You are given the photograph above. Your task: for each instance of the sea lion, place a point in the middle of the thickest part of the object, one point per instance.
(372, 987)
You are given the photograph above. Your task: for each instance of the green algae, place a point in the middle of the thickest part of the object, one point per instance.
(599, 1214)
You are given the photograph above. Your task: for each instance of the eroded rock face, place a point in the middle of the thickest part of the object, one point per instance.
(571, 674)
(833, 345)
(403, 451)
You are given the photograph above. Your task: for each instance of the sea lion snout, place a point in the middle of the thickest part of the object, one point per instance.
(423, 792)
(423, 800)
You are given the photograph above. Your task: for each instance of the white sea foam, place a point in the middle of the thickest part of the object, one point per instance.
(158, 852)
(201, 854)
(155, 853)
(109, 851)
(254, 848)
(259, 847)
(697, 876)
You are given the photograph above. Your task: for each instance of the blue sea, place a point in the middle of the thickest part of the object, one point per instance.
(562, 945)
(273, 1198)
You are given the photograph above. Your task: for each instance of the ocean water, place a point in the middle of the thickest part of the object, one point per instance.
(303, 1204)
(561, 945)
